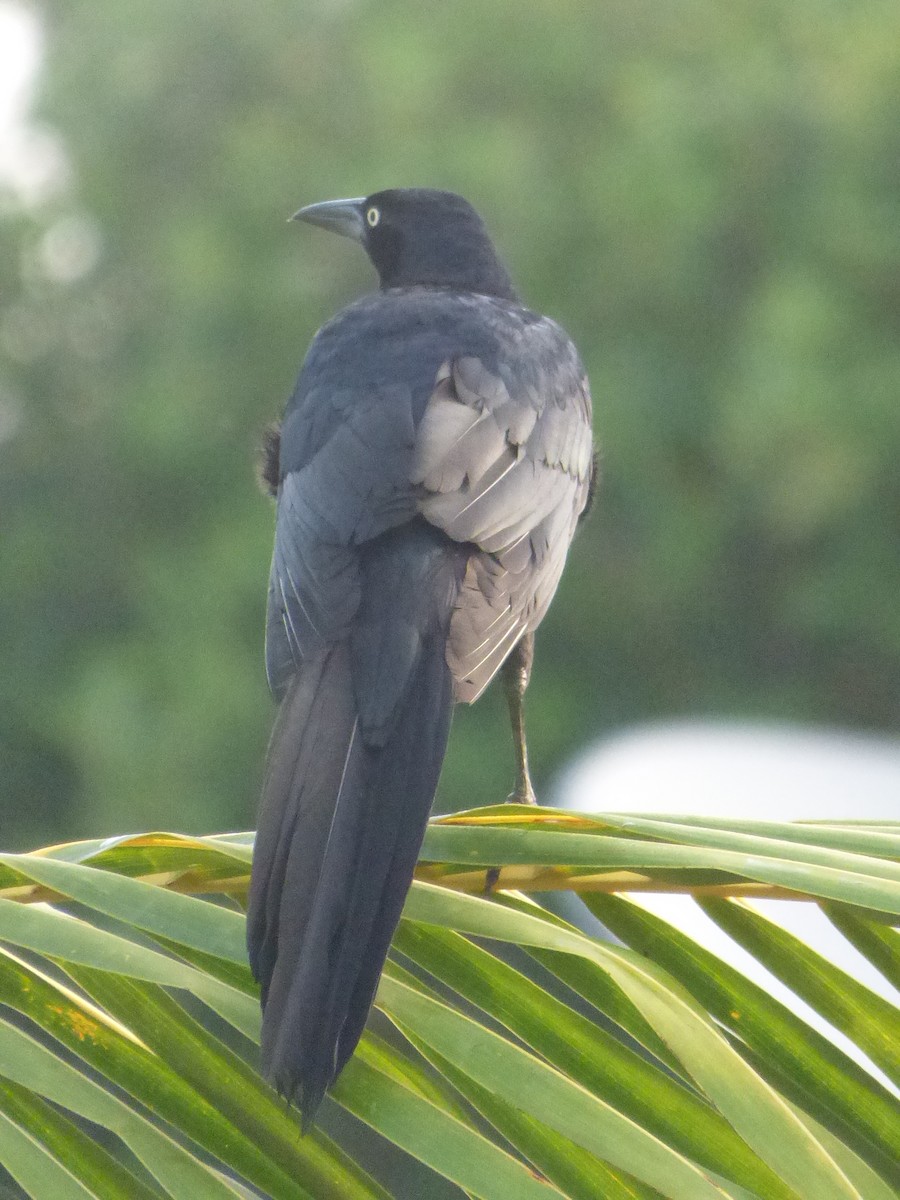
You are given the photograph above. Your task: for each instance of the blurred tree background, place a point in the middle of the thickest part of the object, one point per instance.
(706, 194)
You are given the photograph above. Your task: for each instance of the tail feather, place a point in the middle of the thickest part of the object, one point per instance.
(341, 826)
(406, 783)
(315, 715)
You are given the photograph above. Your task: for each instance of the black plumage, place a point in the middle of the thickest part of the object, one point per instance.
(433, 461)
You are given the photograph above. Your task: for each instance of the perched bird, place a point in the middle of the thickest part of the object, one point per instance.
(432, 464)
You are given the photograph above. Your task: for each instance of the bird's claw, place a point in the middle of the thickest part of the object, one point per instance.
(491, 879)
(523, 794)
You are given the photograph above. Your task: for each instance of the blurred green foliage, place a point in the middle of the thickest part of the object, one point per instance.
(707, 194)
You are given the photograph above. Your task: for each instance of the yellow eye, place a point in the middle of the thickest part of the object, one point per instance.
(373, 216)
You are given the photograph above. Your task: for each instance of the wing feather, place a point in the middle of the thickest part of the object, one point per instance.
(503, 460)
(351, 485)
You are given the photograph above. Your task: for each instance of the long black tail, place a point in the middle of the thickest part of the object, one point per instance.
(341, 825)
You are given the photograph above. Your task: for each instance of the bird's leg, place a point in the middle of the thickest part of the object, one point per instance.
(516, 673)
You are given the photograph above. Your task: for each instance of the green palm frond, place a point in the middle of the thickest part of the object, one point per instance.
(520, 1056)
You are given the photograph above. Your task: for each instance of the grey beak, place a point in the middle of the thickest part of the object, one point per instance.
(339, 216)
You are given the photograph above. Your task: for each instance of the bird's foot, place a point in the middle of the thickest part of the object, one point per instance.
(523, 794)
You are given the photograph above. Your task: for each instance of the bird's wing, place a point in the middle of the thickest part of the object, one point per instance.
(503, 461)
(344, 479)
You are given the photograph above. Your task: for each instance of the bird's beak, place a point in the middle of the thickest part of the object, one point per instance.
(340, 216)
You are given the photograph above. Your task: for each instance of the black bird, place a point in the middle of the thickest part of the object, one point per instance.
(433, 462)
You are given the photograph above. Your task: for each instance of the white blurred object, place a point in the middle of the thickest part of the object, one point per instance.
(747, 771)
(735, 770)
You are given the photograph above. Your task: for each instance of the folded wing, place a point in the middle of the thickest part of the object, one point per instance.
(503, 462)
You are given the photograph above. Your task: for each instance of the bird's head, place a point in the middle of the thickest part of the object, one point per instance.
(418, 236)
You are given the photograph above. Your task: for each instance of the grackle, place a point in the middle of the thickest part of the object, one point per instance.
(431, 467)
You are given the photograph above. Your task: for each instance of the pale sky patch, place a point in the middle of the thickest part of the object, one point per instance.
(33, 164)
